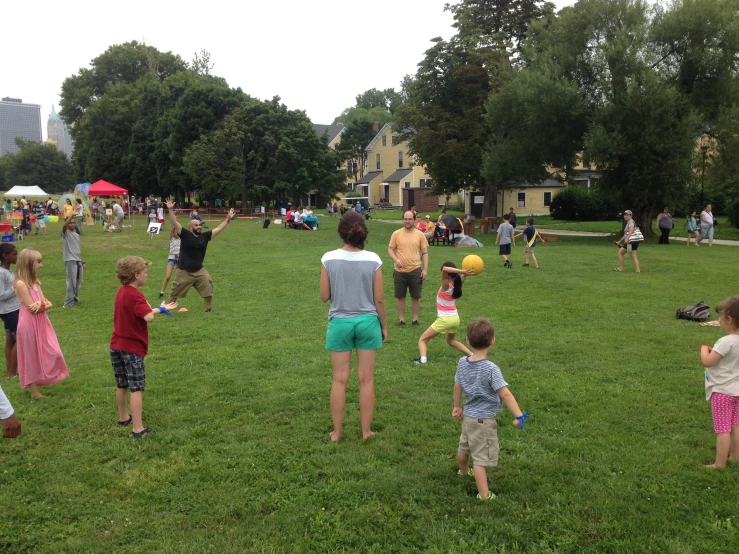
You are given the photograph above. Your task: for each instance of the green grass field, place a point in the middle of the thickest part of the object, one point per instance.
(611, 459)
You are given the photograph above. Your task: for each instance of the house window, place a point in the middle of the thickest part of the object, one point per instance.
(424, 182)
(384, 140)
(395, 140)
(521, 200)
(377, 162)
(547, 199)
(407, 184)
(400, 158)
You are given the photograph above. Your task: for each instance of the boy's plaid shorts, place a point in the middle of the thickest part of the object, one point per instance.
(129, 370)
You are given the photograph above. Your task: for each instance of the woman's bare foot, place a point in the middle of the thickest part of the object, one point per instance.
(369, 435)
(714, 466)
(334, 436)
(37, 395)
(33, 389)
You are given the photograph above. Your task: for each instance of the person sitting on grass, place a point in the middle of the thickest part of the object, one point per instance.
(531, 235)
(484, 389)
(447, 320)
(504, 239)
(722, 382)
(129, 342)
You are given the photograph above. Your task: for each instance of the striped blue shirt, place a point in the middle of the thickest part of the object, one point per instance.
(480, 382)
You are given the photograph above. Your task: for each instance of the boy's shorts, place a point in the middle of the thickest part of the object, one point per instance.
(479, 439)
(347, 333)
(725, 411)
(446, 324)
(504, 249)
(40, 223)
(200, 279)
(408, 281)
(129, 370)
(529, 249)
(11, 321)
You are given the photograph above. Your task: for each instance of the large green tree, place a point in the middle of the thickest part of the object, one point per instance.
(272, 150)
(39, 165)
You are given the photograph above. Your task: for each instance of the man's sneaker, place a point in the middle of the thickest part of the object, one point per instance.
(401, 324)
(415, 322)
(161, 295)
(491, 496)
(418, 361)
(470, 473)
(146, 431)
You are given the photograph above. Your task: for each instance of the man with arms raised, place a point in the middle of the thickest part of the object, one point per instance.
(408, 246)
(190, 270)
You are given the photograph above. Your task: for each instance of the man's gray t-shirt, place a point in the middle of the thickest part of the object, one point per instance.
(352, 275)
(505, 232)
(480, 382)
(71, 246)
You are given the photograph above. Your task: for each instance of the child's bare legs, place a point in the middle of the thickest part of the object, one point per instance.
(167, 277)
(481, 480)
(463, 460)
(33, 389)
(452, 341)
(423, 342)
(734, 443)
(341, 362)
(121, 399)
(533, 257)
(11, 355)
(137, 411)
(723, 443)
(366, 375)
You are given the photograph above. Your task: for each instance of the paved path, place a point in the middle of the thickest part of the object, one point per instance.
(565, 233)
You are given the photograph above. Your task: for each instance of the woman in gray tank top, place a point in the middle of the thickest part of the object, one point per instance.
(665, 223)
(351, 279)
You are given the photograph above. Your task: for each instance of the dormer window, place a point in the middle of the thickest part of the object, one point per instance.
(384, 140)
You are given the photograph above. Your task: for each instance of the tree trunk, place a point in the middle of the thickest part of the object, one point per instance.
(643, 218)
(490, 205)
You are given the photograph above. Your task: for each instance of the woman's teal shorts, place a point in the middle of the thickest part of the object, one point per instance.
(361, 333)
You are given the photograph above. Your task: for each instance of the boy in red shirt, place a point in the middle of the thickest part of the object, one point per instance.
(130, 340)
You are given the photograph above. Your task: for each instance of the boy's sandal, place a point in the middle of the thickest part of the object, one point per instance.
(491, 496)
(126, 423)
(470, 473)
(140, 434)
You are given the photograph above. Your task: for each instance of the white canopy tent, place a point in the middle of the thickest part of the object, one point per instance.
(26, 191)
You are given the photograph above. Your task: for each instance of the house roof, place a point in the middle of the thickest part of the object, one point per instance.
(381, 132)
(398, 175)
(331, 131)
(369, 177)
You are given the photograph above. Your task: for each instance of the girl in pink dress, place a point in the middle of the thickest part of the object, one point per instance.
(40, 360)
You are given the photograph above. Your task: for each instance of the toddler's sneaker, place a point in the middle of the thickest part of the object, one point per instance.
(470, 473)
(491, 496)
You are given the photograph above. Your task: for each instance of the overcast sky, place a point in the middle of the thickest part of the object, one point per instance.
(317, 56)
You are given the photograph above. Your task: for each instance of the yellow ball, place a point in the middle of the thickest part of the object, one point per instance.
(474, 263)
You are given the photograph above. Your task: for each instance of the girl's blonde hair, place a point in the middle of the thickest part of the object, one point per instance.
(24, 268)
(128, 267)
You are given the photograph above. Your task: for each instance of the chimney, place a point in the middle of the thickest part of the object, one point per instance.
(376, 126)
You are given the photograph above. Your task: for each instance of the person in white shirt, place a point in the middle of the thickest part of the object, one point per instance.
(10, 423)
(117, 216)
(707, 222)
(307, 212)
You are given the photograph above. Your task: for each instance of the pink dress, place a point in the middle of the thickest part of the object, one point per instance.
(40, 359)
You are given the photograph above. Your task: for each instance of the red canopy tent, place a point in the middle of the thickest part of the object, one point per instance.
(104, 188)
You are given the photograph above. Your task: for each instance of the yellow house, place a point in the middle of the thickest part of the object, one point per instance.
(390, 170)
(532, 199)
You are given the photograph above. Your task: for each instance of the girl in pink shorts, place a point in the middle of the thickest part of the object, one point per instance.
(722, 382)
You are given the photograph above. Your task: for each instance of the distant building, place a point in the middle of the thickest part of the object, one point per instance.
(58, 133)
(18, 120)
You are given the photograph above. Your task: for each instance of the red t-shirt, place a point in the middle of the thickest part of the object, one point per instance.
(130, 330)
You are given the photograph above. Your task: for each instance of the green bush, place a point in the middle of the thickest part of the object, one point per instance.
(733, 212)
(575, 203)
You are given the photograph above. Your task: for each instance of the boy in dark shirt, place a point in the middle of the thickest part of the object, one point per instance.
(130, 340)
(532, 236)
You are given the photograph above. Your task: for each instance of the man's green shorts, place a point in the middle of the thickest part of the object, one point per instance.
(362, 333)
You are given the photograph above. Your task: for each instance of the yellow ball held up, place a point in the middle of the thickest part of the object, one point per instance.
(474, 263)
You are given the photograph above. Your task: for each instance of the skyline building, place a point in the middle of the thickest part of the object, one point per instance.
(58, 134)
(18, 120)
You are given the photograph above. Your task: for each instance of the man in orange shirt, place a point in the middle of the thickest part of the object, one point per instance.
(408, 248)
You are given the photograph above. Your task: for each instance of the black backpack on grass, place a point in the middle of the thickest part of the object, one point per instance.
(698, 311)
